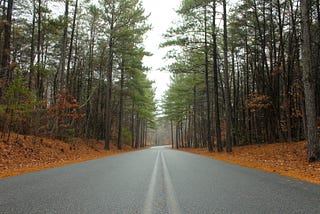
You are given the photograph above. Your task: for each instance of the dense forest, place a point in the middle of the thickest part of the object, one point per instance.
(73, 68)
(244, 73)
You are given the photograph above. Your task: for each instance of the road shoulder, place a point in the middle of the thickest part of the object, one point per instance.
(288, 159)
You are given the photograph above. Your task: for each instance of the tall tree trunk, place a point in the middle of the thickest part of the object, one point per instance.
(89, 107)
(172, 141)
(317, 56)
(69, 85)
(309, 84)
(121, 107)
(5, 63)
(5, 72)
(215, 82)
(226, 81)
(247, 113)
(195, 127)
(209, 140)
(76, 62)
(137, 130)
(109, 85)
(62, 80)
(177, 136)
(286, 75)
(39, 49)
(132, 124)
(32, 45)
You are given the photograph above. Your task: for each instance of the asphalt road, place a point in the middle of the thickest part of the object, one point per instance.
(156, 180)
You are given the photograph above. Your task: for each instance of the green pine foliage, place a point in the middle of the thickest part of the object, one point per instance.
(90, 52)
(18, 106)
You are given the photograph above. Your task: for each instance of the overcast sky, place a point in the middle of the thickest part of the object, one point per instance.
(161, 18)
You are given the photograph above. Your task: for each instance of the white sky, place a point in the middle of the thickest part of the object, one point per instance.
(161, 18)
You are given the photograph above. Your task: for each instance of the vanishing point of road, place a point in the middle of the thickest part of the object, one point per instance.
(156, 180)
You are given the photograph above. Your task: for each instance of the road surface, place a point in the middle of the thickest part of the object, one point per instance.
(157, 180)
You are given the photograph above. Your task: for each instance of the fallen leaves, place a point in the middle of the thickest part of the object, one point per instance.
(22, 154)
(289, 159)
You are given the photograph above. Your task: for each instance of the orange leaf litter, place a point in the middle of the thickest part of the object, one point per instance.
(23, 154)
(288, 159)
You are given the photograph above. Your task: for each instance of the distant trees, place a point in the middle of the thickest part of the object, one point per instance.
(197, 36)
(185, 105)
(243, 75)
(83, 64)
(256, 69)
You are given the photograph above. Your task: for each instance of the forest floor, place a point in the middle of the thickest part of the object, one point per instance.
(289, 159)
(23, 154)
